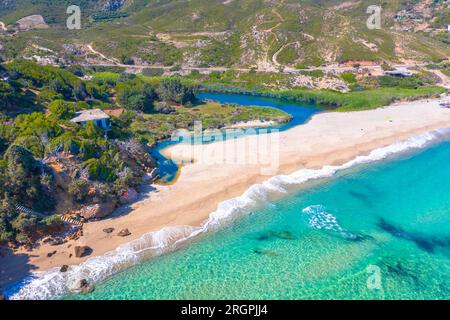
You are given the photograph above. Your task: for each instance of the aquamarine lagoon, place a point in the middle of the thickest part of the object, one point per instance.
(326, 239)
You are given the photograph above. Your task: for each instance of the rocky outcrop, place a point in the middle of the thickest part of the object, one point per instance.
(85, 287)
(113, 5)
(128, 195)
(50, 254)
(322, 83)
(108, 230)
(53, 241)
(97, 211)
(82, 251)
(124, 233)
(31, 22)
(76, 235)
(64, 268)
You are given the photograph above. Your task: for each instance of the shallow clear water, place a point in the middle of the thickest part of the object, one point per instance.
(300, 114)
(323, 242)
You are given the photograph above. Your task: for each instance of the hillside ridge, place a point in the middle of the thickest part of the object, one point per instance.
(265, 35)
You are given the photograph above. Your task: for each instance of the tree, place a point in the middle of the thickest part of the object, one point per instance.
(6, 95)
(80, 91)
(24, 179)
(135, 95)
(24, 223)
(7, 212)
(174, 90)
(61, 109)
(37, 124)
(58, 85)
(79, 189)
(125, 59)
(32, 143)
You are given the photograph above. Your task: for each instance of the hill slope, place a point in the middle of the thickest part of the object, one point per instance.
(236, 33)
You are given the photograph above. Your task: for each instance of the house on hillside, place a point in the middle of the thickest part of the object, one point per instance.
(398, 73)
(100, 118)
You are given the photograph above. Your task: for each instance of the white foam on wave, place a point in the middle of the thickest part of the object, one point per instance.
(53, 284)
(320, 219)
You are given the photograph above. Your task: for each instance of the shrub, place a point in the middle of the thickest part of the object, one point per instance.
(349, 77)
(62, 110)
(88, 150)
(98, 171)
(37, 124)
(78, 189)
(33, 144)
(65, 142)
(314, 73)
(173, 90)
(23, 179)
(163, 107)
(386, 67)
(413, 82)
(135, 95)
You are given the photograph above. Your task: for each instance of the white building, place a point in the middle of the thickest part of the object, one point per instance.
(99, 118)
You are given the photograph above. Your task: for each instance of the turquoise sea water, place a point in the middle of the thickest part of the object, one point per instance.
(325, 241)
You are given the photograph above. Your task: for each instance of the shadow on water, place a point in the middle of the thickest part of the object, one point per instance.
(397, 269)
(264, 252)
(272, 235)
(424, 242)
(365, 193)
(362, 197)
(359, 238)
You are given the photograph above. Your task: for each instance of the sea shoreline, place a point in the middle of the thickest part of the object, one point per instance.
(196, 194)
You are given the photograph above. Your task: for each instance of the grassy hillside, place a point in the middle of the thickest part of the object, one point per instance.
(265, 34)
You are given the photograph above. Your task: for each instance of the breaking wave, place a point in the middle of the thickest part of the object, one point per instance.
(320, 219)
(53, 284)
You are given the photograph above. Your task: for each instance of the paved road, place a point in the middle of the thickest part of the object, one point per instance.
(286, 70)
(112, 62)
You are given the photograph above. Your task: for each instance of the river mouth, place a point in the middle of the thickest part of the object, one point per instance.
(301, 113)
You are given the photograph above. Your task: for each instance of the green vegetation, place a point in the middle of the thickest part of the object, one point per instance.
(106, 16)
(413, 82)
(173, 90)
(235, 34)
(358, 100)
(39, 145)
(27, 180)
(135, 95)
(444, 67)
(162, 53)
(314, 73)
(211, 115)
(349, 77)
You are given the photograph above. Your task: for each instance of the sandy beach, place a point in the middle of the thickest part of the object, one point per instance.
(214, 172)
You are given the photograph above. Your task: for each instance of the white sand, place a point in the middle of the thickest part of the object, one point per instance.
(329, 138)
